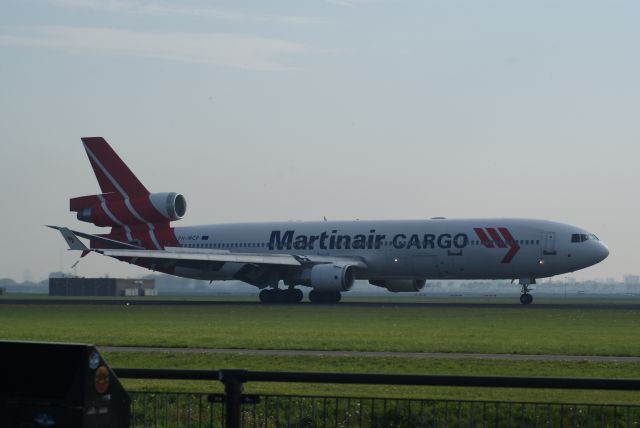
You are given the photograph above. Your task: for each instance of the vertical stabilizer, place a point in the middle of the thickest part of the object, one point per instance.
(112, 173)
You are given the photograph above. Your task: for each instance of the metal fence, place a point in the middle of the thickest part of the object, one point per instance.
(234, 409)
(160, 409)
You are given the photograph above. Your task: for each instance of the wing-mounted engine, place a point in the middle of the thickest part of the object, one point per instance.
(112, 210)
(332, 277)
(401, 285)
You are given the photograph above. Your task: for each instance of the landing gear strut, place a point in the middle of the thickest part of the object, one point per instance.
(276, 295)
(525, 297)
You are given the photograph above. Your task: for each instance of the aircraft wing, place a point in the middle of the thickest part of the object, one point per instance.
(183, 254)
(191, 255)
(197, 254)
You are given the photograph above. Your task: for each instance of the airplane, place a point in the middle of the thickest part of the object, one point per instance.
(327, 256)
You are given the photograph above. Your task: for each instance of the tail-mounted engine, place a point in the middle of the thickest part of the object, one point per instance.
(111, 209)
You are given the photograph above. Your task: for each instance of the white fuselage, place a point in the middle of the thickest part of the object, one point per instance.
(409, 249)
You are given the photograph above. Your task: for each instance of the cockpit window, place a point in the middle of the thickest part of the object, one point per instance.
(581, 237)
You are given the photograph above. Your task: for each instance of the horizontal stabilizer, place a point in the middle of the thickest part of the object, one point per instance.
(72, 240)
(111, 243)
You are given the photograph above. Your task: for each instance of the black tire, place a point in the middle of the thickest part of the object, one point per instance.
(335, 297)
(526, 298)
(294, 295)
(324, 297)
(280, 296)
(265, 296)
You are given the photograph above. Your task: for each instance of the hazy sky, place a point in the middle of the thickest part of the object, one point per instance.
(278, 110)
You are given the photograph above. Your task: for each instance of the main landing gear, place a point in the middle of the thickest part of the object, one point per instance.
(294, 295)
(277, 295)
(525, 297)
(324, 296)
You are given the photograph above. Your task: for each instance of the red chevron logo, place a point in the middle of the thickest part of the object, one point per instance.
(501, 238)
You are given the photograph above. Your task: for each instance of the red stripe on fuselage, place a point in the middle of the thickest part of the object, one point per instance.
(513, 245)
(496, 238)
(483, 237)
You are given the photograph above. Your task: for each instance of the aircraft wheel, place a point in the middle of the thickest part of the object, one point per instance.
(526, 299)
(335, 297)
(294, 295)
(266, 296)
(324, 297)
(313, 296)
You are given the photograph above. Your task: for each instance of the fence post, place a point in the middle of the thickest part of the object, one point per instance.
(233, 381)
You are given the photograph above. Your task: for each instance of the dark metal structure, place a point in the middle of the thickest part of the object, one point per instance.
(236, 409)
(59, 385)
(170, 409)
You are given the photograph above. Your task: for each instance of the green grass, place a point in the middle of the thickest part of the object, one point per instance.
(509, 329)
(385, 365)
(485, 329)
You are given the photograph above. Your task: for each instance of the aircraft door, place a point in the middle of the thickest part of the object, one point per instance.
(549, 243)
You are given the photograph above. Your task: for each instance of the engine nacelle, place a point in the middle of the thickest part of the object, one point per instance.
(332, 277)
(401, 285)
(111, 209)
(172, 206)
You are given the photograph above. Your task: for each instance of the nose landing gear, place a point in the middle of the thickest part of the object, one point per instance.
(525, 297)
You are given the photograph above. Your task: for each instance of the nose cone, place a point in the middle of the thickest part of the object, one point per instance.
(601, 252)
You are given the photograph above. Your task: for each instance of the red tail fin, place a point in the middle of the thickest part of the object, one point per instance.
(112, 173)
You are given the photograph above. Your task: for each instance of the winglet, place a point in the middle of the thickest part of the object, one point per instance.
(71, 238)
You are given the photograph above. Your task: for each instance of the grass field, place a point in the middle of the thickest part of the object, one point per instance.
(484, 329)
(387, 365)
(509, 329)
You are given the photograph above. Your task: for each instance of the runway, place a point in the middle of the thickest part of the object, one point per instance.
(314, 353)
(505, 303)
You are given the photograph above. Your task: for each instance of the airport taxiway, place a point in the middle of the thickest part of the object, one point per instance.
(384, 354)
(504, 303)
